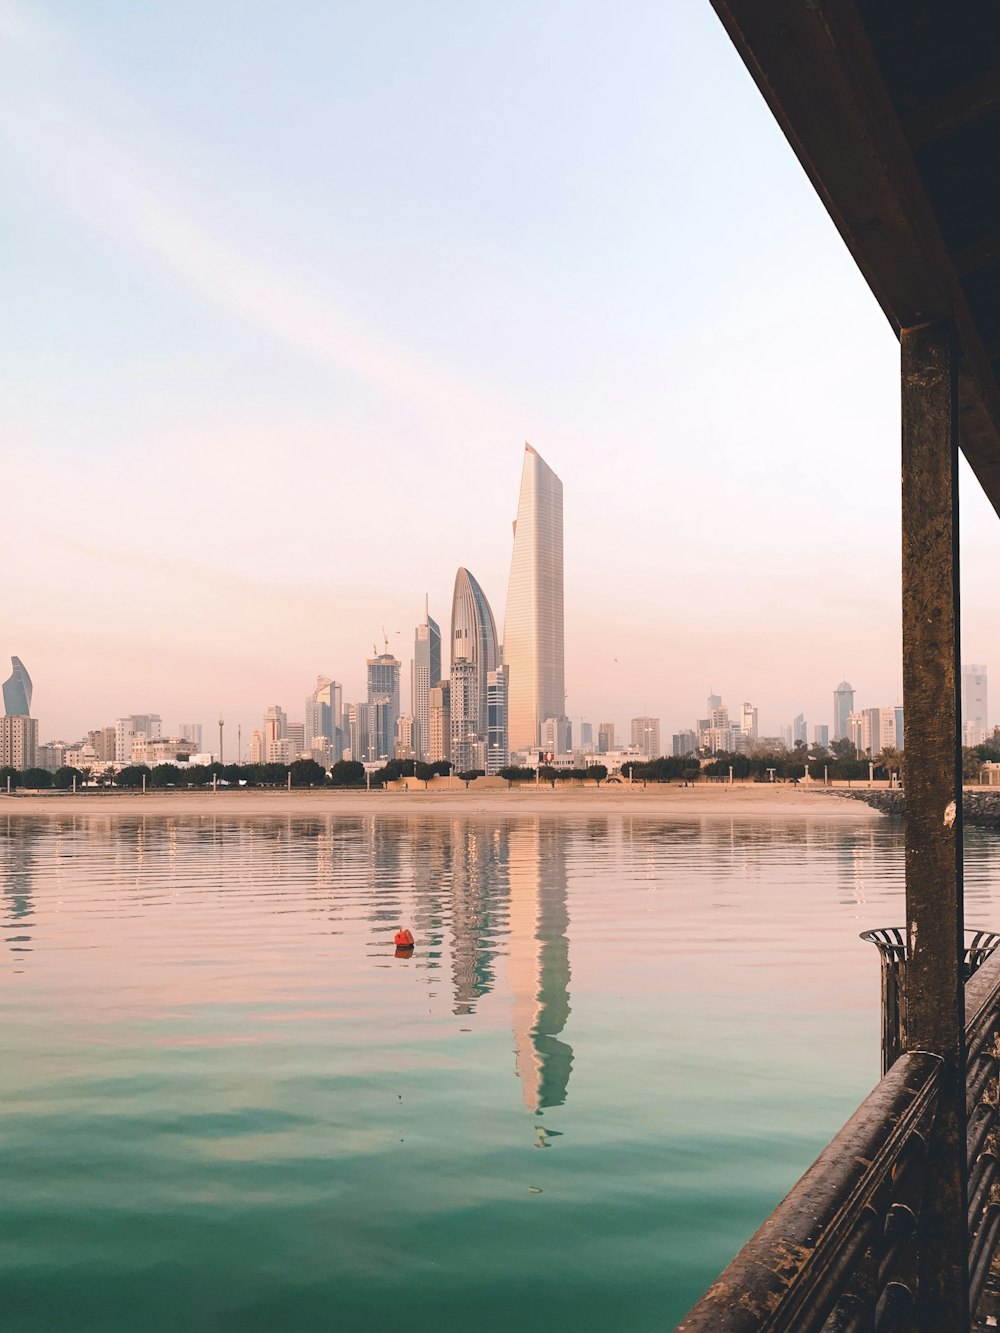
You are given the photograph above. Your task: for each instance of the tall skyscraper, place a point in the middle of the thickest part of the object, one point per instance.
(800, 730)
(17, 691)
(426, 674)
(974, 713)
(843, 707)
(324, 719)
(18, 741)
(468, 747)
(534, 649)
(605, 737)
(383, 690)
(439, 745)
(188, 731)
(748, 722)
(497, 753)
(473, 639)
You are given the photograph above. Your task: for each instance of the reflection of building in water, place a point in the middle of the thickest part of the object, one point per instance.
(17, 856)
(478, 875)
(538, 963)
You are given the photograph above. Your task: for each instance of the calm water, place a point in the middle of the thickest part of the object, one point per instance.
(228, 1105)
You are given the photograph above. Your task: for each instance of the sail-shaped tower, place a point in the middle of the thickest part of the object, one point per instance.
(533, 643)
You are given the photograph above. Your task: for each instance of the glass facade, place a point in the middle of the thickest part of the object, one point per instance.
(534, 651)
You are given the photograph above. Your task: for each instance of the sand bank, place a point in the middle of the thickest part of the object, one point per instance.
(754, 801)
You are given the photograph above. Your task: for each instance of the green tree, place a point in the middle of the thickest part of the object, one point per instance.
(166, 775)
(347, 773)
(548, 774)
(37, 779)
(425, 772)
(844, 748)
(132, 775)
(11, 775)
(63, 777)
(307, 773)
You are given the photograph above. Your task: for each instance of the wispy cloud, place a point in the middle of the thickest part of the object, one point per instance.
(148, 213)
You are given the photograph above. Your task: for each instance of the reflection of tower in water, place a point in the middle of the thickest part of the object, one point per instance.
(478, 870)
(538, 962)
(17, 857)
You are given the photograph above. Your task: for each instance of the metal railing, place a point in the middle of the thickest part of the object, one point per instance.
(845, 1250)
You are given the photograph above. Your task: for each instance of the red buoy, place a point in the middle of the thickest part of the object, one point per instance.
(404, 939)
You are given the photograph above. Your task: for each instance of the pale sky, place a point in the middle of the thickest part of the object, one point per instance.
(286, 288)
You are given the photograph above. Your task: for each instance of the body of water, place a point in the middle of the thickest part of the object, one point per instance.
(227, 1104)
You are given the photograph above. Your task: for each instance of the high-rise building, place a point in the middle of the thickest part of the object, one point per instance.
(685, 742)
(17, 691)
(646, 736)
(974, 711)
(406, 730)
(439, 722)
(295, 735)
(843, 707)
(18, 741)
(426, 674)
(800, 730)
(497, 753)
(714, 702)
(898, 710)
(534, 649)
(821, 736)
(468, 748)
(748, 722)
(256, 748)
(136, 724)
(324, 719)
(190, 731)
(605, 737)
(557, 735)
(383, 688)
(586, 736)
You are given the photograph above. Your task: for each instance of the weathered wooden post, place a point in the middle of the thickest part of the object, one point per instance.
(934, 910)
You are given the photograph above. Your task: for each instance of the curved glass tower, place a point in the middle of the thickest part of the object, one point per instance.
(17, 691)
(533, 644)
(473, 632)
(474, 656)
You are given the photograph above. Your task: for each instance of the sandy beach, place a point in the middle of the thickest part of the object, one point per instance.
(755, 800)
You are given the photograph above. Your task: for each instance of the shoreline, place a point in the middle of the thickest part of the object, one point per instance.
(755, 800)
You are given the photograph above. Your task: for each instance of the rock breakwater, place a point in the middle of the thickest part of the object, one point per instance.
(978, 807)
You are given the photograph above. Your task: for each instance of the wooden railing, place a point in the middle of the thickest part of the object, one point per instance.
(845, 1252)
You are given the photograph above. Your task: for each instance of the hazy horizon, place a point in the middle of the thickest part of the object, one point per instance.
(287, 292)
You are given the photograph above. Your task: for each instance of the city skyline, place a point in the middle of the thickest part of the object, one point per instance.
(175, 370)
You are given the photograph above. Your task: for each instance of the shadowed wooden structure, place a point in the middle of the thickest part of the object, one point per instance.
(893, 109)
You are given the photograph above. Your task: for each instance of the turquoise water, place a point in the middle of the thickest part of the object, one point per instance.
(227, 1104)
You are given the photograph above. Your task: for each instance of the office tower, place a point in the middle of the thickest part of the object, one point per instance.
(497, 752)
(406, 735)
(843, 707)
(256, 748)
(685, 742)
(190, 731)
(605, 737)
(646, 736)
(148, 725)
(17, 691)
(467, 744)
(714, 702)
(426, 674)
(383, 681)
(383, 689)
(534, 650)
(439, 723)
(18, 741)
(275, 723)
(557, 736)
(586, 735)
(898, 710)
(748, 722)
(324, 719)
(974, 713)
(799, 730)
(821, 736)
(295, 735)
(473, 634)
